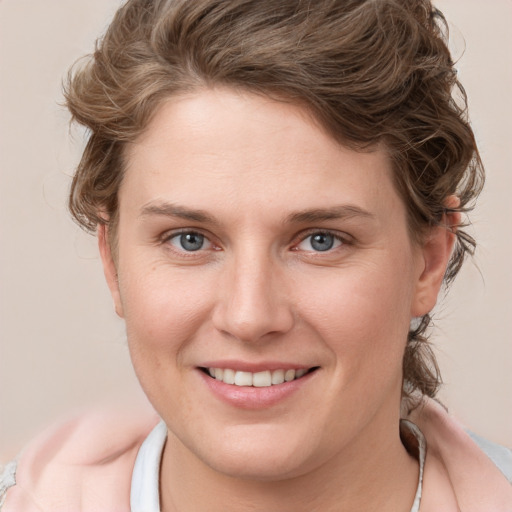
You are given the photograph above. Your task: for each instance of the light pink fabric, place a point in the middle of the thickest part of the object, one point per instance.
(86, 464)
(458, 475)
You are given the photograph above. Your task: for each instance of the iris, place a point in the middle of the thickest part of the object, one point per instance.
(191, 241)
(322, 241)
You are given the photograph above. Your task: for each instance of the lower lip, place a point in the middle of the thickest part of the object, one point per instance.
(250, 397)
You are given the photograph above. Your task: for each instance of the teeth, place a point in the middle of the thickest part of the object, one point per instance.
(289, 375)
(278, 377)
(259, 379)
(243, 378)
(229, 376)
(262, 379)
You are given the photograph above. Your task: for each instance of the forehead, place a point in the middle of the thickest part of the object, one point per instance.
(242, 150)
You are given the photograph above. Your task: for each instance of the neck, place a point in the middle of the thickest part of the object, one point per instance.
(374, 473)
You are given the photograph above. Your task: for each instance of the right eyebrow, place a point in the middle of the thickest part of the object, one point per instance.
(163, 208)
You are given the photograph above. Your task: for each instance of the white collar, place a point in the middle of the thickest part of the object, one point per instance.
(144, 494)
(421, 449)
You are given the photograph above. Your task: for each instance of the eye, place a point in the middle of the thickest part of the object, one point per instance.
(321, 241)
(190, 241)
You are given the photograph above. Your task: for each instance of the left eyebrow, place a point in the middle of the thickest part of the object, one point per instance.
(334, 213)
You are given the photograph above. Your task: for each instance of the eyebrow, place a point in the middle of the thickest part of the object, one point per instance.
(173, 210)
(314, 215)
(334, 213)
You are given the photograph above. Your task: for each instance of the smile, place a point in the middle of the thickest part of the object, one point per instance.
(261, 379)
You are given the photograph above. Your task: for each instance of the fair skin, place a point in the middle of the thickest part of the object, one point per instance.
(249, 240)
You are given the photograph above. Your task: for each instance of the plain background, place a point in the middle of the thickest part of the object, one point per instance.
(61, 346)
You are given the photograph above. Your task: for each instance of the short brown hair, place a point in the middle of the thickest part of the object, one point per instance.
(369, 71)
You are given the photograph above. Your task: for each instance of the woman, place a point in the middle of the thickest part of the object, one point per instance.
(277, 189)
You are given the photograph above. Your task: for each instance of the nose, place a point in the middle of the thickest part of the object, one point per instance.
(253, 304)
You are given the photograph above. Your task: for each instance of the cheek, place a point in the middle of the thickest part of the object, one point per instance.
(163, 308)
(362, 314)
(165, 311)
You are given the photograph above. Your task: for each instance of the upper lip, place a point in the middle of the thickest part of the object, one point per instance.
(245, 366)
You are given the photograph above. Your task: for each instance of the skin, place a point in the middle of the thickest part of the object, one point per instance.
(257, 292)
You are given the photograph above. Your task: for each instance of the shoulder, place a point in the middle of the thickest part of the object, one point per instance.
(449, 437)
(500, 455)
(82, 462)
(476, 472)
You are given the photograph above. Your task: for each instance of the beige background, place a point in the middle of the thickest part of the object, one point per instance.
(61, 346)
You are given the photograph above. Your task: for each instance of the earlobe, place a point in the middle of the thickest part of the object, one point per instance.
(436, 252)
(109, 267)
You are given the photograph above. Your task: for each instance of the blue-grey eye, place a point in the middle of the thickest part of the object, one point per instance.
(319, 242)
(189, 241)
(322, 241)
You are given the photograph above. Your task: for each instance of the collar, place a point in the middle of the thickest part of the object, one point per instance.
(145, 494)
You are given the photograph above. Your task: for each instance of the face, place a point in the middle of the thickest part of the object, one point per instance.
(254, 248)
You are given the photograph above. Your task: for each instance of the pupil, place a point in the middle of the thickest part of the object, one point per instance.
(192, 241)
(322, 242)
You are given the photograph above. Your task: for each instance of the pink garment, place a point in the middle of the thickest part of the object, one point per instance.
(86, 465)
(458, 475)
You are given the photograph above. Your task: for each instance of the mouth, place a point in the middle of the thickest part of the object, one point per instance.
(261, 379)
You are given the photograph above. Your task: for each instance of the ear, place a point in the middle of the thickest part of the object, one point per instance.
(435, 255)
(109, 267)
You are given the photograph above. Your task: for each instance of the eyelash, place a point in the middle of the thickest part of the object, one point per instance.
(339, 240)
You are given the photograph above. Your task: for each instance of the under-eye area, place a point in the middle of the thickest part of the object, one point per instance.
(261, 379)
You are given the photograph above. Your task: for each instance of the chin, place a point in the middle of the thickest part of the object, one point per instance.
(258, 466)
(259, 453)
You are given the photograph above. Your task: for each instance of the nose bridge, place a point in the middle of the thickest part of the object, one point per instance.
(253, 303)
